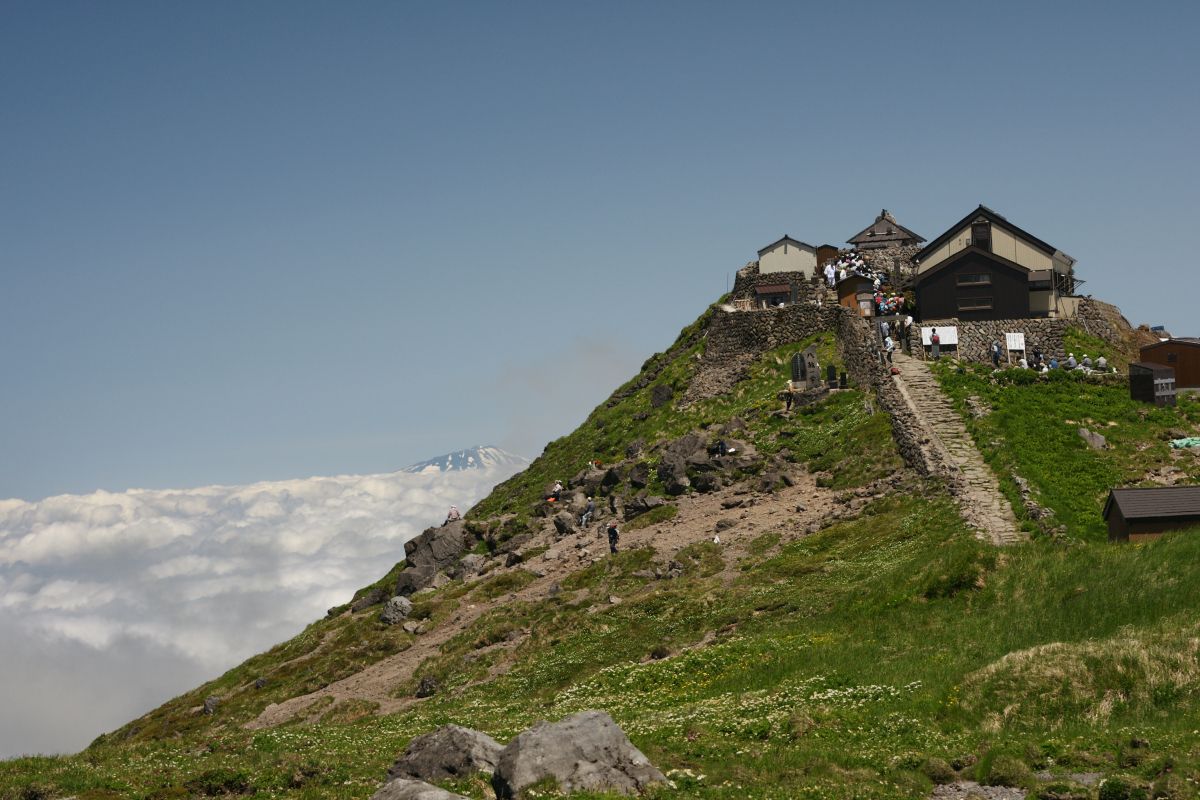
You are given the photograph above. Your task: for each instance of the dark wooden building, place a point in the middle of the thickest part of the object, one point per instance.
(1139, 514)
(984, 267)
(856, 292)
(1151, 383)
(1182, 355)
(884, 232)
(825, 253)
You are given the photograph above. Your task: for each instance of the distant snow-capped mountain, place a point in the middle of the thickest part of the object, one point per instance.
(483, 457)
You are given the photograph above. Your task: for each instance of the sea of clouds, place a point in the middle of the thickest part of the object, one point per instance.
(111, 603)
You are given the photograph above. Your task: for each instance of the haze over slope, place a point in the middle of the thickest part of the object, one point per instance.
(113, 602)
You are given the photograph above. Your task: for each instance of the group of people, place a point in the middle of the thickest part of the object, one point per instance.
(845, 265)
(1038, 361)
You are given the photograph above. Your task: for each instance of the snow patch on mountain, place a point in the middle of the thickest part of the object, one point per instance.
(482, 457)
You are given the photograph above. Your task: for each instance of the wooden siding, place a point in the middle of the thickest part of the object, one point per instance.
(940, 296)
(1186, 363)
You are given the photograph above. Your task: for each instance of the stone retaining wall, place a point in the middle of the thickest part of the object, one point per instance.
(748, 279)
(860, 352)
(975, 336)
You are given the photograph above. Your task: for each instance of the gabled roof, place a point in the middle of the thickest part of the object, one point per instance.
(921, 277)
(995, 219)
(1155, 502)
(885, 229)
(785, 238)
(1192, 340)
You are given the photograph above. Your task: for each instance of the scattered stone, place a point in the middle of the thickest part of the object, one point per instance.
(428, 686)
(261, 683)
(512, 559)
(451, 751)
(639, 475)
(708, 482)
(731, 503)
(396, 610)
(370, 598)
(564, 523)
(584, 752)
(211, 704)
(554, 591)
(471, 564)
(407, 789)
(635, 448)
(614, 600)
(969, 790)
(411, 626)
(1094, 440)
(724, 525)
(660, 395)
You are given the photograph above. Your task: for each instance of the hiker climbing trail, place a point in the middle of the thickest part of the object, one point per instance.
(976, 488)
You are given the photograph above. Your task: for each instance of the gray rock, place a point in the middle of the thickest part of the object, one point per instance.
(434, 550)
(584, 752)
(564, 523)
(260, 683)
(708, 482)
(211, 704)
(471, 564)
(396, 610)
(639, 475)
(451, 751)
(428, 686)
(1094, 440)
(660, 395)
(370, 598)
(411, 626)
(407, 789)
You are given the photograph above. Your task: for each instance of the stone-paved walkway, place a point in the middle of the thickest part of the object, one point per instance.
(978, 492)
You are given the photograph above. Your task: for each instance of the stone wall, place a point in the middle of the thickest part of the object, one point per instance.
(975, 336)
(860, 351)
(748, 278)
(737, 338)
(897, 261)
(1104, 321)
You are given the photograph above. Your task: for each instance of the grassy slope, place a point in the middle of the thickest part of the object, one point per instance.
(837, 663)
(1033, 429)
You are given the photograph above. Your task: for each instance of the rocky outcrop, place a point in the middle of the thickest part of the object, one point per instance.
(433, 551)
(371, 597)
(584, 752)
(408, 789)
(451, 751)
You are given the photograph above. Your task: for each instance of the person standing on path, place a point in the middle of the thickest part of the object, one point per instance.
(588, 511)
(995, 354)
(935, 345)
(614, 536)
(889, 347)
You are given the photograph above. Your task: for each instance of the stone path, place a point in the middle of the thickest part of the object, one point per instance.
(974, 485)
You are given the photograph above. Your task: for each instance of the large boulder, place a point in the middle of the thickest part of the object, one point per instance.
(584, 752)
(434, 550)
(688, 445)
(564, 523)
(396, 610)
(373, 597)
(451, 751)
(407, 789)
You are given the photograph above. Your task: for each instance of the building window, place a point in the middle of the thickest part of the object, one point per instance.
(974, 304)
(981, 235)
(975, 279)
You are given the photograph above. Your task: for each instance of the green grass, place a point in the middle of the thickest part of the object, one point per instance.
(834, 668)
(845, 664)
(1033, 430)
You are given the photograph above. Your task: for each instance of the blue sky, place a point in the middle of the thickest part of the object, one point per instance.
(256, 241)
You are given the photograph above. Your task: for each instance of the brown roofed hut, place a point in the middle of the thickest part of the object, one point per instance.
(1183, 355)
(1135, 515)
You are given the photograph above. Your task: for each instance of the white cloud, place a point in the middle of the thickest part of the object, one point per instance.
(134, 597)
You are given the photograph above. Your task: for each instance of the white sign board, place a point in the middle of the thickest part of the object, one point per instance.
(1016, 341)
(948, 335)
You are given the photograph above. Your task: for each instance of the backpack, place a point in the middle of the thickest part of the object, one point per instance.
(935, 339)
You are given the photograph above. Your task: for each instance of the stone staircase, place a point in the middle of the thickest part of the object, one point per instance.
(948, 443)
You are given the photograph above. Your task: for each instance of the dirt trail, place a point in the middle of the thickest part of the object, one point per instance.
(696, 521)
